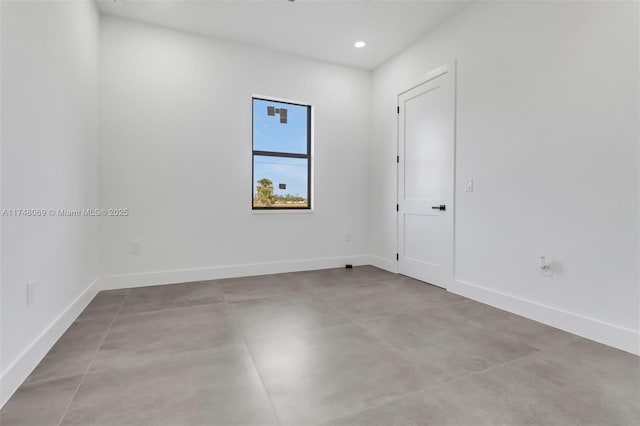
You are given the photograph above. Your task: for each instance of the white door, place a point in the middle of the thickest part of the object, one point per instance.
(425, 179)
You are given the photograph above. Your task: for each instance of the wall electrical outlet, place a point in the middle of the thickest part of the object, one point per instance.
(134, 247)
(31, 286)
(544, 264)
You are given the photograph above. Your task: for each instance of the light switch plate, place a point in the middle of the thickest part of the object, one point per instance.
(469, 185)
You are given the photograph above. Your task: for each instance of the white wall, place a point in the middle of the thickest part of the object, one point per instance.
(547, 126)
(49, 161)
(176, 150)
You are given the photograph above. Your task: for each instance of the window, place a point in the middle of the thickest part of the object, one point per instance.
(281, 155)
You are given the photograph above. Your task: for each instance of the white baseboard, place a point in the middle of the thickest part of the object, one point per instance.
(110, 282)
(20, 369)
(609, 334)
(382, 263)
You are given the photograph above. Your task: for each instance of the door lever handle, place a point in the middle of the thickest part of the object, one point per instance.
(441, 207)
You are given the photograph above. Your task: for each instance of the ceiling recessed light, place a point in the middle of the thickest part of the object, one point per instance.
(360, 44)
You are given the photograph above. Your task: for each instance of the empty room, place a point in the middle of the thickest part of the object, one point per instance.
(315, 212)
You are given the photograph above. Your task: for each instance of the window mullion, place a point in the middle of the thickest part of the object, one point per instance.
(280, 154)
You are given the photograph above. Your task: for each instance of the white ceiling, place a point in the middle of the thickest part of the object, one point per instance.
(319, 29)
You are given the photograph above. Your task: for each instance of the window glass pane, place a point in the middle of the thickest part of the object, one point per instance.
(280, 182)
(279, 127)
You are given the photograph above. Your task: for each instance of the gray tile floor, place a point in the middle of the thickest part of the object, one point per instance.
(338, 347)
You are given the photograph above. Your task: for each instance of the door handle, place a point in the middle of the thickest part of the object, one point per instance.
(441, 207)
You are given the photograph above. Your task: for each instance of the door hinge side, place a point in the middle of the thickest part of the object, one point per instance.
(397, 256)
(397, 158)
(398, 109)
(397, 207)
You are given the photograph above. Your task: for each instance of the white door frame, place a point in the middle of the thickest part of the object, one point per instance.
(449, 67)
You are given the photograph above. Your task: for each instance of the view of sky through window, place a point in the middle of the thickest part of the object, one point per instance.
(271, 135)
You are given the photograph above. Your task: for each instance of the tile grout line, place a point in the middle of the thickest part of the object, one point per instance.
(95, 355)
(255, 366)
(480, 324)
(393, 350)
(172, 308)
(350, 322)
(493, 367)
(439, 384)
(434, 387)
(285, 293)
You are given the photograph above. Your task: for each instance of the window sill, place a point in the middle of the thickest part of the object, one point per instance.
(283, 211)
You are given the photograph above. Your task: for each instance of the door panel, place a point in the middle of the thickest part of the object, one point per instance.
(423, 165)
(415, 248)
(425, 180)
